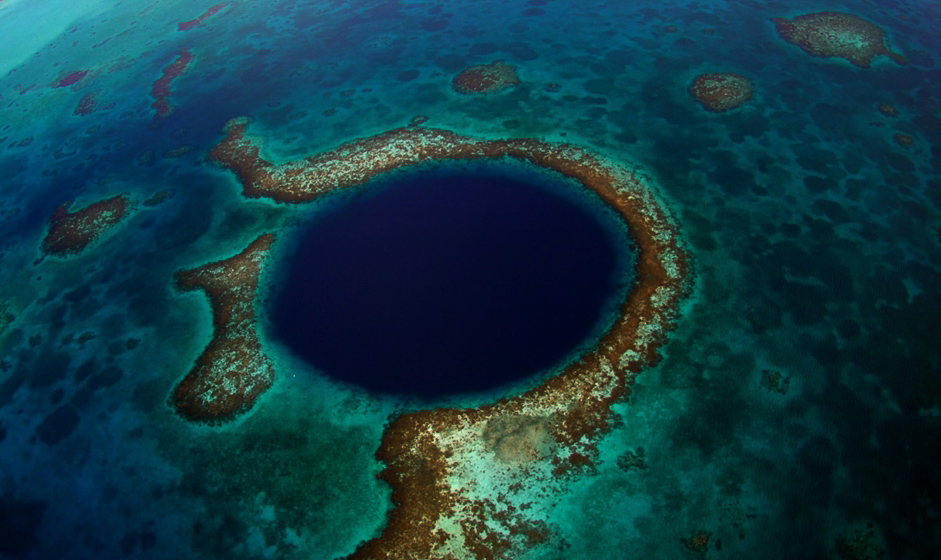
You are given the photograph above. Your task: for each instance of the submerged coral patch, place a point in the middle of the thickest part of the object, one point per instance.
(187, 25)
(451, 499)
(836, 34)
(888, 109)
(486, 78)
(160, 89)
(903, 140)
(721, 92)
(86, 104)
(70, 78)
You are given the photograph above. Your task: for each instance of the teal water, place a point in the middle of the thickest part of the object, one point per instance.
(796, 409)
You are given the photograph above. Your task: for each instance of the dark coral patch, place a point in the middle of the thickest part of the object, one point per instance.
(158, 198)
(19, 522)
(417, 120)
(903, 140)
(698, 542)
(888, 110)
(434, 24)
(70, 232)
(479, 49)
(721, 92)
(58, 425)
(486, 78)
(70, 78)
(160, 89)
(232, 370)
(86, 104)
(106, 378)
(520, 51)
(407, 75)
(450, 62)
(187, 25)
(836, 34)
(817, 185)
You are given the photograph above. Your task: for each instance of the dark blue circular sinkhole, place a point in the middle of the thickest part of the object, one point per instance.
(453, 279)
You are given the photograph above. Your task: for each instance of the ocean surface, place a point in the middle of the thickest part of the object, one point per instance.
(796, 412)
(443, 282)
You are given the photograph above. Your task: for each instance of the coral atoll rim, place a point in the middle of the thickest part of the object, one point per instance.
(443, 509)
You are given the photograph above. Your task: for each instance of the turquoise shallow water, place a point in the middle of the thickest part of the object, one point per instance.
(795, 413)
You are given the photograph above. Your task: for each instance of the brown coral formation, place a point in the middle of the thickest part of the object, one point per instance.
(722, 91)
(417, 120)
(187, 25)
(903, 140)
(70, 78)
(460, 477)
(632, 460)
(160, 89)
(486, 78)
(888, 110)
(775, 381)
(698, 541)
(86, 104)
(158, 198)
(233, 370)
(860, 543)
(827, 34)
(71, 232)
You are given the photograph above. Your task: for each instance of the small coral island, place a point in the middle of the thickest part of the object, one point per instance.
(70, 232)
(486, 78)
(721, 92)
(232, 371)
(835, 34)
(445, 507)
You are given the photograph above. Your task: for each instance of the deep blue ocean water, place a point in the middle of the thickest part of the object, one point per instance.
(450, 282)
(795, 411)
